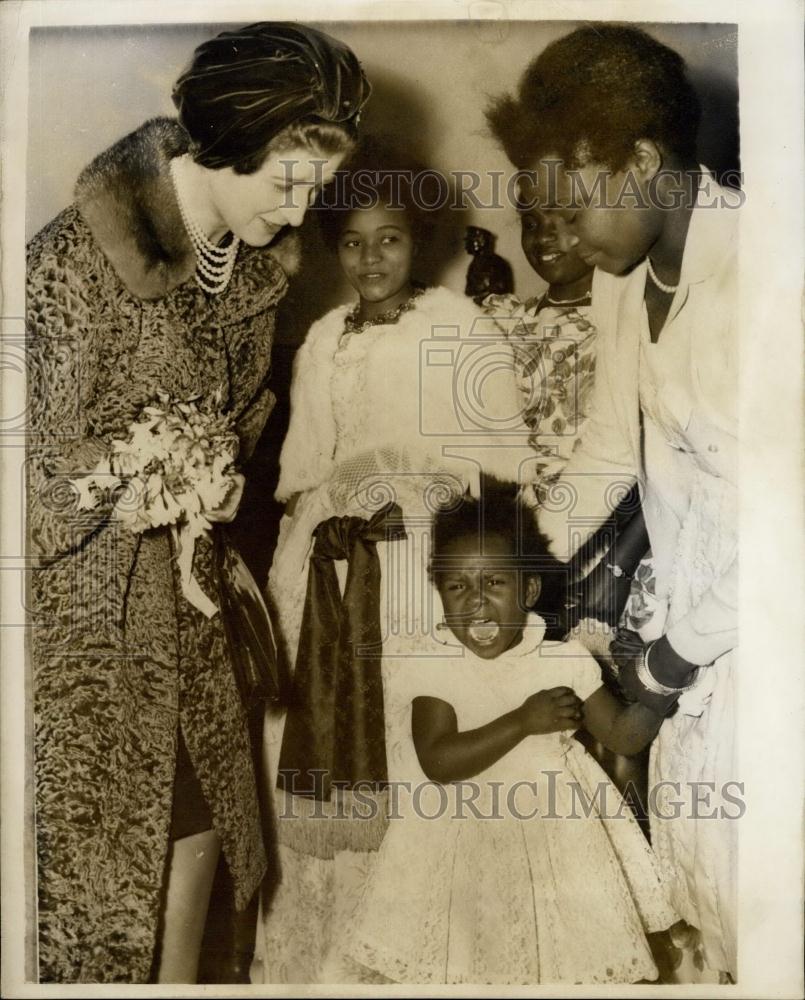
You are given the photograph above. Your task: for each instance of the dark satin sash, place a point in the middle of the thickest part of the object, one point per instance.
(335, 727)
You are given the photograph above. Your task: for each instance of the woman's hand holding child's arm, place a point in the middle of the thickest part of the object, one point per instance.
(624, 729)
(657, 686)
(446, 755)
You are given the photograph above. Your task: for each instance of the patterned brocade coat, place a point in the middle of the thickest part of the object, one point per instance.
(120, 659)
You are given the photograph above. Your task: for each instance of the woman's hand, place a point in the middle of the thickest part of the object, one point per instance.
(626, 647)
(550, 711)
(80, 458)
(229, 508)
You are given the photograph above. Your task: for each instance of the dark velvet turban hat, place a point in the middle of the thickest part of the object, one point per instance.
(244, 87)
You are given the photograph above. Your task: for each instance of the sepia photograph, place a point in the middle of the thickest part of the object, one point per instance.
(402, 456)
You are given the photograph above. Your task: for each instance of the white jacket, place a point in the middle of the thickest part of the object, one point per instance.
(438, 385)
(704, 406)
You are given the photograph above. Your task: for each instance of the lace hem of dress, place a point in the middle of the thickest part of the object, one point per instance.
(369, 961)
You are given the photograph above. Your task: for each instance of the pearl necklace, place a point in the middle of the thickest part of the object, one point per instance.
(668, 289)
(214, 264)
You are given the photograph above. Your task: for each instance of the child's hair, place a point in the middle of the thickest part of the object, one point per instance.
(376, 175)
(589, 96)
(499, 512)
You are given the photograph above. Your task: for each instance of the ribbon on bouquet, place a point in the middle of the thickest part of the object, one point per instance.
(184, 540)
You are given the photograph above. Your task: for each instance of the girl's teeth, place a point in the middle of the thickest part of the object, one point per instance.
(485, 631)
(549, 258)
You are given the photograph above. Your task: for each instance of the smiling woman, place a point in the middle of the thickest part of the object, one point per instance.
(164, 275)
(254, 207)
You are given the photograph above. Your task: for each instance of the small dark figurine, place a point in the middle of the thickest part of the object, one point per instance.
(488, 274)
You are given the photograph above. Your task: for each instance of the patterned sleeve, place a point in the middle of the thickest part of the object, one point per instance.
(602, 459)
(62, 349)
(252, 422)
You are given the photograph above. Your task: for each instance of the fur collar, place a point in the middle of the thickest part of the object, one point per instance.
(126, 198)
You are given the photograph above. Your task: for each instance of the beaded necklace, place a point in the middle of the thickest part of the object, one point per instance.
(353, 325)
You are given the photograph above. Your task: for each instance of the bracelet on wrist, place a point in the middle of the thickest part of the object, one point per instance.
(649, 681)
(618, 571)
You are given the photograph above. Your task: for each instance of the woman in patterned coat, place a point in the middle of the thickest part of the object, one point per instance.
(164, 274)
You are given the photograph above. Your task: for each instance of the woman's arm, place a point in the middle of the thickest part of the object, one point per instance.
(446, 754)
(625, 729)
(605, 590)
(61, 353)
(603, 458)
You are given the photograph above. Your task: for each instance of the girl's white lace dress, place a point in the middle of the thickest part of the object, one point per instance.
(534, 871)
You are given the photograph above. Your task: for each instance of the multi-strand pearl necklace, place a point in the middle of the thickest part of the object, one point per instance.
(214, 264)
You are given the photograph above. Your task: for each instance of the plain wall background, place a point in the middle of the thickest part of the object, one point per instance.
(431, 81)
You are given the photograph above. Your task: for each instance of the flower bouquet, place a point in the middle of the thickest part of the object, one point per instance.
(175, 465)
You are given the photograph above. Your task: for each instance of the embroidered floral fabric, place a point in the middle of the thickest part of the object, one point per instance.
(554, 351)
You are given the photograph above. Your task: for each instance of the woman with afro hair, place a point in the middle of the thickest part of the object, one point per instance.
(603, 127)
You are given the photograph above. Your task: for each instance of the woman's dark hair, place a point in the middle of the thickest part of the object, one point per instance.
(267, 88)
(376, 174)
(318, 138)
(500, 513)
(589, 96)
